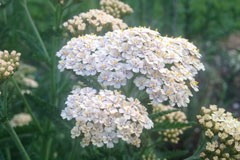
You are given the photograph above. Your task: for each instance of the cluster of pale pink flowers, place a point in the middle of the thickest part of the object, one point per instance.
(25, 78)
(164, 67)
(223, 134)
(61, 1)
(104, 117)
(93, 21)
(9, 62)
(20, 119)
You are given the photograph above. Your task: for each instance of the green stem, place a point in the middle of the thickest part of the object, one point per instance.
(27, 105)
(8, 153)
(16, 139)
(54, 100)
(58, 16)
(51, 5)
(130, 87)
(5, 96)
(68, 5)
(35, 29)
(72, 155)
(53, 80)
(4, 15)
(201, 145)
(48, 148)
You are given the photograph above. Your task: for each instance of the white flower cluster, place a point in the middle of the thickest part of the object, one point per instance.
(93, 21)
(223, 134)
(105, 117)
(115, 8)
(20, 119)
(29, 82)
(25, 78)
(9, 62)
(61, 1)
(164, 66)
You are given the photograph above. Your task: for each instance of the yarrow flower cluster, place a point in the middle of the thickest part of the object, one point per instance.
(61, 1)
(222, 132)
(170, 135)
(164, 67)
(115, 8)
(95, 21)
(105, 117)
(20, 119)
(9, 62)
(25, 78)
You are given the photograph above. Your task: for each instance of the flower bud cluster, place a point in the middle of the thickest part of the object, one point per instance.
(222, 131)
(61, 1)
(93, 21)
(170, 135)
(115, 8)
(105, 117)
(164, 67)
(25, 78)
(20, 119)
(9, 62)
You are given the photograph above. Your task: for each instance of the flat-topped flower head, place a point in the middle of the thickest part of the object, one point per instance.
(9, 62)
(115, 8)
(93, 21)
(163, 67)
(170, 135)
(104, 117)
(20, 119)
(223, 133)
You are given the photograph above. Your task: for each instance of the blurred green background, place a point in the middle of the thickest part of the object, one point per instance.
(212, 25)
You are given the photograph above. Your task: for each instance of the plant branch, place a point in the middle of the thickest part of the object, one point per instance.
(48, 148)
(8, 153)
(27, 105)
(24, 4)
(16, 139)
(51, 5)
(4, 16)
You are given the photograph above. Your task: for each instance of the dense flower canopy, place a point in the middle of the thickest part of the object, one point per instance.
(105, 117)
(95, 21)
(164, 67)
(223, 133)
